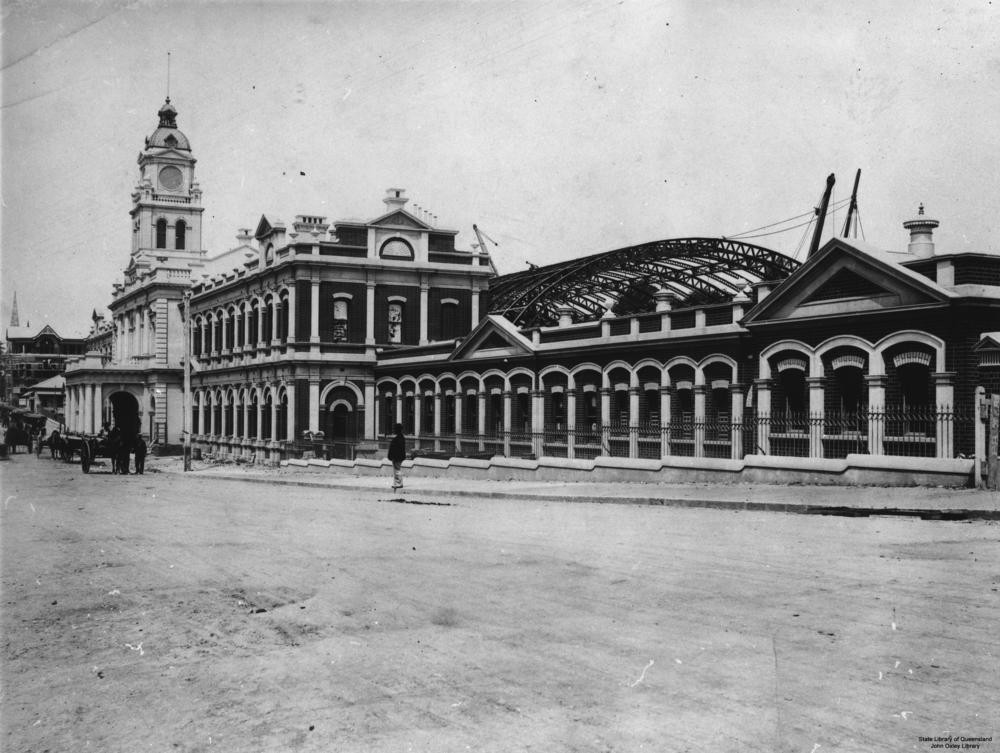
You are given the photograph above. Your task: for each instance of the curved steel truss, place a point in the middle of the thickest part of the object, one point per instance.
(695, 270)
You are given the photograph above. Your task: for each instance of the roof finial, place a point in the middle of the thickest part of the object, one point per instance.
(168, 75)
(920, 211)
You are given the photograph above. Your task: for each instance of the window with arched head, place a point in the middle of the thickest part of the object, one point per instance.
(180, 231)
(161, 233)
(341, 308)
(449, 319)
(395, 322)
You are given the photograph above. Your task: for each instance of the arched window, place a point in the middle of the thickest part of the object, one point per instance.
(196, 339)
(283, 319)
(217, 414)
(789, 399)
(340, 320)
(161, 233)
(521, 419)
(395, 322)
(179, 231)
(265, 417)
(470, 414)
(449, 319)
(649, 404)
(254, 335)
(217, 330)
(267, 334)
(252, 417)
(240, 326)
(388, 413)
(230, 320)
(591, 410)
(282, 416)
(494, 414)
(850, 385)
(620, 406)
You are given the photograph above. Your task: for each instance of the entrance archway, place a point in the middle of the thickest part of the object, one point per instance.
(340, 424)
(125, 412)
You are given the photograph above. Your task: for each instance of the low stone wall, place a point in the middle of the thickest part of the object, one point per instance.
(854, 470)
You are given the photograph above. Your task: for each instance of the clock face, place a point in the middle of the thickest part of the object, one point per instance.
(171, 178)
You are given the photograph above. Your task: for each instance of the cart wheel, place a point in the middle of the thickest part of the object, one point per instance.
(85, 457)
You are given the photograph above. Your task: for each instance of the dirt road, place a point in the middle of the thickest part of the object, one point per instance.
(169, 613)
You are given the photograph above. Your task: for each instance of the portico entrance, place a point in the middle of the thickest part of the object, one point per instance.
(125, 412)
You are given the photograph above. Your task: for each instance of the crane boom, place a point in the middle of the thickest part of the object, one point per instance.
(482, 244)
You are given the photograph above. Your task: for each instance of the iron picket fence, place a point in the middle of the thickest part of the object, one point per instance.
(923, 432)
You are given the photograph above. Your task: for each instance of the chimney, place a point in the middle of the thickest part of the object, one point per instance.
(565, 314)
(921, 239)
(244, 236)
(395, 198)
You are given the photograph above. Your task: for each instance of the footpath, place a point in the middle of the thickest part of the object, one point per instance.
(929, 503)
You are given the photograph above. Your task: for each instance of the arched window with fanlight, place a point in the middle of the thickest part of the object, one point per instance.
(910, 394)
(161, 233)
(395, 321)
(341, 311)
(180, 230)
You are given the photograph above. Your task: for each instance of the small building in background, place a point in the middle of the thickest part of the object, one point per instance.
(32, 355)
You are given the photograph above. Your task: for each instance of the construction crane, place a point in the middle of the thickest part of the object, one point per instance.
(852, 209)
(821, 214)
(483, 237)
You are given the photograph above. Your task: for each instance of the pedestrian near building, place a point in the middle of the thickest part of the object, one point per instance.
(124, 449)
(140, 454)
(397, 454)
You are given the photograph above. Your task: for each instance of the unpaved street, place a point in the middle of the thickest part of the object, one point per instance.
(178, 613)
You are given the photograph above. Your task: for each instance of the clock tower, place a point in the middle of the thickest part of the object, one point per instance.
(166, 203)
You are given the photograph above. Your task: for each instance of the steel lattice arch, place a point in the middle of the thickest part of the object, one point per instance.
(696, 271)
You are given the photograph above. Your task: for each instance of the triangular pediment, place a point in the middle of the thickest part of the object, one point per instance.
(46, 330)
(843, 279)
(493, 337)
(988, 341)
(267, 225)
(401, 218)
(263, 227)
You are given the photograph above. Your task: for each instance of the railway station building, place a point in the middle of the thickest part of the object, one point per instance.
(315, 336)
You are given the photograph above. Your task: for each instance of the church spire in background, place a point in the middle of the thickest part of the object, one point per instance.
(14, 321)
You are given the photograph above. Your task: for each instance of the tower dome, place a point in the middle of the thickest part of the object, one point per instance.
(167, 135)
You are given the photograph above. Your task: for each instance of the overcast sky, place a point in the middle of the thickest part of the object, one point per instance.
(562, 128)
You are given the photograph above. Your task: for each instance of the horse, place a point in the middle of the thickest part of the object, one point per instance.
(54, 442)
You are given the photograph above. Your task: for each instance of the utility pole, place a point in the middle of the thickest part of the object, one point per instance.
(187, 380)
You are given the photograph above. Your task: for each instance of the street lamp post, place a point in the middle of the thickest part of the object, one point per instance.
(187, 380)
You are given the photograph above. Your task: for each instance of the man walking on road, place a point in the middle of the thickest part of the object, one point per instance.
(397, 454)
(140, 454)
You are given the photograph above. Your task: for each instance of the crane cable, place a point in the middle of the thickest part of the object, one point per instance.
(811, 213)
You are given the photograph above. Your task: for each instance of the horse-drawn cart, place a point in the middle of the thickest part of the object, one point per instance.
(89, 447)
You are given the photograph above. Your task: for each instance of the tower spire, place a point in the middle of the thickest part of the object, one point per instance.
(14, 321)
